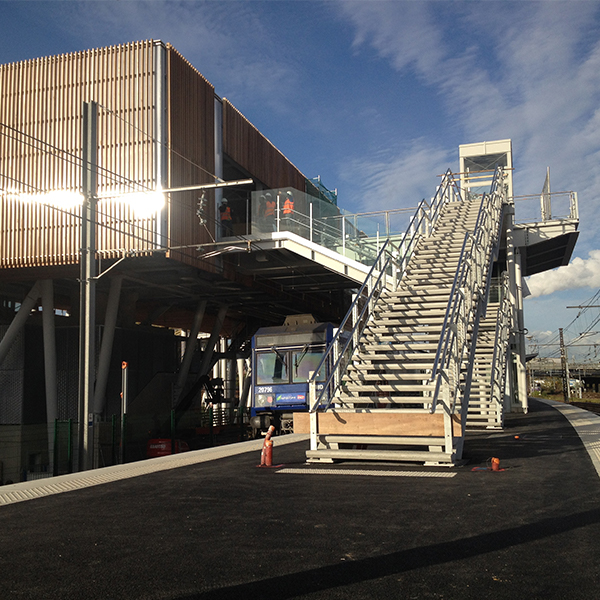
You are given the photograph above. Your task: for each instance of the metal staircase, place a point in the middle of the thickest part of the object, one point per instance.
(486, 398)
(401, 371)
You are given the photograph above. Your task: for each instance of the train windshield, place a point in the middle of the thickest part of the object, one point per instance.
(288, 366)
(305, 362)
(271, 368)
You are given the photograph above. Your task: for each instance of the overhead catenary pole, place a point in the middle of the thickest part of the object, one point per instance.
(87, 267)
(565, 368)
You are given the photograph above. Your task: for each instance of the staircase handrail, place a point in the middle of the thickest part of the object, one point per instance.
(501, 338)
(469, 289)
(339, 353)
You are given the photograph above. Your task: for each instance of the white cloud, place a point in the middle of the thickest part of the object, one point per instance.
(397, 179)
(579, 273)
(226, 41)
(403, 32)
(530, 73)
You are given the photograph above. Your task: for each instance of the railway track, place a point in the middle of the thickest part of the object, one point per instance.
(591, 406)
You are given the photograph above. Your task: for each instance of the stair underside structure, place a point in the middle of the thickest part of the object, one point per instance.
(384, 408)
(484, 411)
(487, 390)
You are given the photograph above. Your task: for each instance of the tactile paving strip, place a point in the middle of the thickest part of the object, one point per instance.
(587, 426)
(28, 490)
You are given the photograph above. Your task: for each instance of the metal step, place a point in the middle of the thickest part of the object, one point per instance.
(381, 455)
(393, 366)
(382, 439)
(395, 377)
(384, 402)
(397, 387)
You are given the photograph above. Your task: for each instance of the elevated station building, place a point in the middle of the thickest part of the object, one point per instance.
(146, 232)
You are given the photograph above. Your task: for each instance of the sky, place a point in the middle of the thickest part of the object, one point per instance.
(376, 96)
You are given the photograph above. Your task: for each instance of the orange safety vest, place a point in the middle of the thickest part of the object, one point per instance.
(288, 207)
(270, 208)
(226, 214)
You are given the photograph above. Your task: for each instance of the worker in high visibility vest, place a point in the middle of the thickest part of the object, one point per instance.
(288, 205)
(288, 211)
(226, 218)
(270, 206)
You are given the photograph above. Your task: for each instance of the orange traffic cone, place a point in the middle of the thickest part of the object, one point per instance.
(266, 456)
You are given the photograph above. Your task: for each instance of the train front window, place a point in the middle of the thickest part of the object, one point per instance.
(304, 362)
(271, 368)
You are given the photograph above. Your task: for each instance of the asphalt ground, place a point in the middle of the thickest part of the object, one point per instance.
(227, 529)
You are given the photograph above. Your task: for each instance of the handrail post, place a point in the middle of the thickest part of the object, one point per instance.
(336, 375)
(312, 395)
(354, 323)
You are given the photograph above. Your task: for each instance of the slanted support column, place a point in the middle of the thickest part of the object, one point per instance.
(47, 289)
(108, 336)
(214, 336)
(190, 348)
(19, 320)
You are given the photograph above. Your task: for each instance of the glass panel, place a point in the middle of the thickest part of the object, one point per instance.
(304, 363)
(271, 368)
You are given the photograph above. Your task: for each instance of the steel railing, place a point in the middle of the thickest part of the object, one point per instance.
(387, 271)
(501, 340)
(468, 296)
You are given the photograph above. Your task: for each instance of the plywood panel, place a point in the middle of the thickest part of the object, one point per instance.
(376, 423)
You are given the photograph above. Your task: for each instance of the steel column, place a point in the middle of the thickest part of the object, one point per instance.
(190, 348)
(87, 315)
(210, 345)
(49, 362)
(108, 336)
(19, 320)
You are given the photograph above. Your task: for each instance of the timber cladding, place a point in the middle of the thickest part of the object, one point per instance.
(191, 107)
(41, 104)
(41, 107)
(255, 153)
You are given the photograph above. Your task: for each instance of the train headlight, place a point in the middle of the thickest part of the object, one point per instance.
(262, 400)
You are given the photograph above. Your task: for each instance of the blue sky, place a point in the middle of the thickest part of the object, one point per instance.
(375, 96)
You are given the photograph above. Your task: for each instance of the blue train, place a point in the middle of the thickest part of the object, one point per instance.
(282, 360)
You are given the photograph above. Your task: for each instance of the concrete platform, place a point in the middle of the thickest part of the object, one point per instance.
(210, 524)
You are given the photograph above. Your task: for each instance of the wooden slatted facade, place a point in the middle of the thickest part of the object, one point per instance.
(192, 156)
(41, 104)
(250, 149)
(41, 147)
